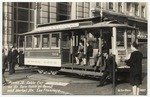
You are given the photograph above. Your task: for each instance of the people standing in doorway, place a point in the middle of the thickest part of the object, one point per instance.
(135, 63)
(80, 53)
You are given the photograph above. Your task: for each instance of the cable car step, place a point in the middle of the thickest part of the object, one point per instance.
(80, 67)
(80, 72)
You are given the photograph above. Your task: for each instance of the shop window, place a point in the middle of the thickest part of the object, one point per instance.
(62, 17)
(23, 14)
(23, 5)
(119, 7)
(110, 5)
(128, 7)
(136, 10)
(98, 4)
(22, 27)
(63, 11)
(143, 12)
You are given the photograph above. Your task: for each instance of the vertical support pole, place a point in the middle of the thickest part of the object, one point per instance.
(100, 44)
(133, 36)
(85, 48)
(125, 40)
(114, 76)
(59, 42)
(136, 39)
(72, 50)
(23, 46)
(25, 37)
(100, 41)
(114, 40)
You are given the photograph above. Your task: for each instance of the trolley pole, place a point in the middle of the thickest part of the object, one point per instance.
(114, 76)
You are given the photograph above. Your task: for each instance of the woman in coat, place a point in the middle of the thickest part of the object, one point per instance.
(135, 63)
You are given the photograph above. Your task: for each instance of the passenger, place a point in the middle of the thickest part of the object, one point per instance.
(108, 72)
(135, 63)
(21, 58)
(98, 60)
(80, 53)
(89, 53)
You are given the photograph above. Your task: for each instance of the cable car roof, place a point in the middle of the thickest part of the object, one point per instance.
(76, 26)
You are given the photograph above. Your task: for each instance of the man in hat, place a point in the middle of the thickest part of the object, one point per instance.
(12, 57)
(108, 72)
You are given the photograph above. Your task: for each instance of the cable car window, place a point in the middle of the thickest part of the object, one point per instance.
(36, 41)
(28, 41)
(120, 38)
(55, 40)
(65, 42)
(45, 41)
(21, 40)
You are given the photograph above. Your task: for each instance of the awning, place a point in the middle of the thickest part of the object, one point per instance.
(76, 26)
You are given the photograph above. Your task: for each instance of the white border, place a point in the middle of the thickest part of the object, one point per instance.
(148, 13)
(76, 1)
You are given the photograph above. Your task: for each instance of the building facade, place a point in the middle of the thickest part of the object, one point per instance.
(21, 17)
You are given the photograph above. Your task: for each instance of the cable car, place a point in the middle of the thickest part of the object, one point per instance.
(52, 46)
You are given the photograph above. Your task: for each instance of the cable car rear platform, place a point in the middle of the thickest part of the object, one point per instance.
(81, 69)
(88, 69)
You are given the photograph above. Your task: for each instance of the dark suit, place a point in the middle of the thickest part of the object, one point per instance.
(4, 62)
(12, 60)
(9, 57)
(89, 52)
(108, 72)
(135, 63)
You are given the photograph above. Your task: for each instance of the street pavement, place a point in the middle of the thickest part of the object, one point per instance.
(27, 81)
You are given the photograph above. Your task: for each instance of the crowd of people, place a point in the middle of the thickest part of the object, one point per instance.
(9, 60)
